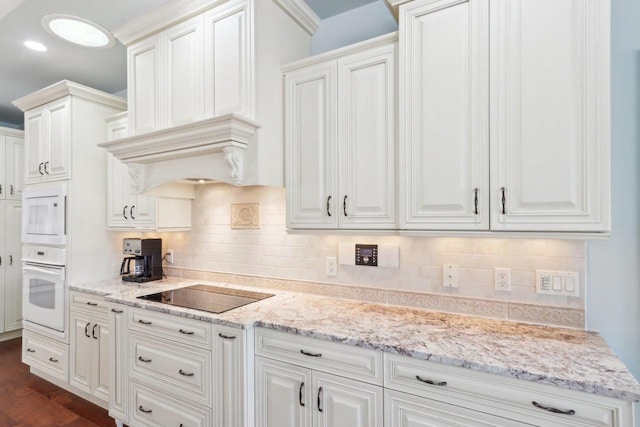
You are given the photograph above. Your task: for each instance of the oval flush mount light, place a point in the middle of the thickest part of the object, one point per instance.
(34, 45)
(79, 31)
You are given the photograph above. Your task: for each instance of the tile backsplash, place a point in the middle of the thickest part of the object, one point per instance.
(271, 252)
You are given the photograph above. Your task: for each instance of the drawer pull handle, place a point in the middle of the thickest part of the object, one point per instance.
(182, 331)
(300, 394)
(113, 310)
(51, 359)
(554, 410)
(146, 411)
(30, 350)
(93, 304)
(142, 359)
(440, 384)
(144, 322)
(186, 374)
(226, 337)
(311, 354)
(319, 399)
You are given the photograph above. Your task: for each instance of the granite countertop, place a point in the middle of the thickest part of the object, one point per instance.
(567, 358)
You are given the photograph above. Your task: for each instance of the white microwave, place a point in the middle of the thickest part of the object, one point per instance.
(44, 212)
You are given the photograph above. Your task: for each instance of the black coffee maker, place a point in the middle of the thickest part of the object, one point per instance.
(147, 260)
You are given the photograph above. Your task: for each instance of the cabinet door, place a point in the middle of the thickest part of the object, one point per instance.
(406, 410)
(35, 125)
(101, 358)
(117, 347)
(143, 212)
(550, 115)
(145, 80)
(346, 403)
(3, 171)
(283, 395)
(228, 66)
(56, 150)
(443, 115)
(230, 369)
(367, 137)
(3, 261)
(14, 161)
(119, 199)
(183, 46)
(80, 368)
(12, 266)
(311, 147)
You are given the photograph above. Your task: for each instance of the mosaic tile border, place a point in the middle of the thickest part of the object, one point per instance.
(505, 310)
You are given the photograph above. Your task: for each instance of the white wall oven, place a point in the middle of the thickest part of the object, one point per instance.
(44, 215)
(43, 273)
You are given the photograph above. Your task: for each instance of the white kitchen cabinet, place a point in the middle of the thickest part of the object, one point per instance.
(144, 81)
(293, 396)
(231, 366)
(459, 395)
(340, 138)
(89, 368)
(48, 142)
(12, 162)
(45, 355)
(301, 381)
(118, 369)
(504, 115)
(10, 265)
(127, 210)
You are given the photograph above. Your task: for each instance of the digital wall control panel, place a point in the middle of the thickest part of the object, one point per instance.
(566, 283)
(367, 255)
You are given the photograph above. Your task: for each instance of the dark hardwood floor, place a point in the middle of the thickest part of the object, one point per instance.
(29, 401)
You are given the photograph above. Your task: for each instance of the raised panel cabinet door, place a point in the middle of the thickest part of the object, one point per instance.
(283, 395)
(367, 135)
(119, 198)
(81, 348)
(145, 81)
(35, 125)
(101, 358)
(57, 150)
(311, 147)
(550, 136)
(14, 161)
(443, 125)
(230, 369)
(406, 410)
(3, 257)
(143, 211)
(341, 402)
(117, 348)
(3, 171)
(12, 265)
(183, 45)
(228, 57)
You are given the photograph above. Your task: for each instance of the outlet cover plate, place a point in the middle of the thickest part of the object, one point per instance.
(502, 279)
(449, 276)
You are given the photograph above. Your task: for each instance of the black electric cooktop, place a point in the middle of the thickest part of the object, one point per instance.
(207, 298)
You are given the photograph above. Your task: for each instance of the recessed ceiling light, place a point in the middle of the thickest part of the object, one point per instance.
(33, 45)
(78, 31)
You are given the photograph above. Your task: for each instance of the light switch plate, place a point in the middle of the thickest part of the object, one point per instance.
(562, 283)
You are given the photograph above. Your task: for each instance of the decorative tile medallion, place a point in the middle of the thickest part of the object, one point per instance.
(245, 215)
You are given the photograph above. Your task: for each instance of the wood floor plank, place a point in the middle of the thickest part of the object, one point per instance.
(29, 401)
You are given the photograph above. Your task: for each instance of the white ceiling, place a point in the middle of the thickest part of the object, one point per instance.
(23, 71)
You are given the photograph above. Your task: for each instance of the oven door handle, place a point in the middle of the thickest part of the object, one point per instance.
(51, 271)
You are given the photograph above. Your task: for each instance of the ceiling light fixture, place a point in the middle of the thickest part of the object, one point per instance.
(34, 45)
(78, 31)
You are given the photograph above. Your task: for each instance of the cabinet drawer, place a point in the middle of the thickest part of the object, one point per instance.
(505, 397)
(153, 409)
(340, 359)
(176, 328)
(45, 354)
(171, 367)
(93, 303)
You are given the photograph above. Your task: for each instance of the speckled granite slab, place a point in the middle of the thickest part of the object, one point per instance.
(568, 358)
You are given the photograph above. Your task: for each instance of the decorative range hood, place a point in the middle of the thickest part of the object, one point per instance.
(205, 90)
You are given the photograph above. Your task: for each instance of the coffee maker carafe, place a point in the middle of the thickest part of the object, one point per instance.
(146, 260)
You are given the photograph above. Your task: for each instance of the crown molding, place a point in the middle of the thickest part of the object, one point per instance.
(17, 133)
(65, 88)
(300, 12)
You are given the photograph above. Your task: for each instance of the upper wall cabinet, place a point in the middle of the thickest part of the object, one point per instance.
(205, 89)
(340, 114)
(12, 161)
(524, 80)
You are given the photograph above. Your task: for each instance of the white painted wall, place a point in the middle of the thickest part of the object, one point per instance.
(613, 266)
(353, 26)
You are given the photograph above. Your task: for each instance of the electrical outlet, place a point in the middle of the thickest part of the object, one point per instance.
(331, 266)
(502, 278)
(450, 276)
(169, 256)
